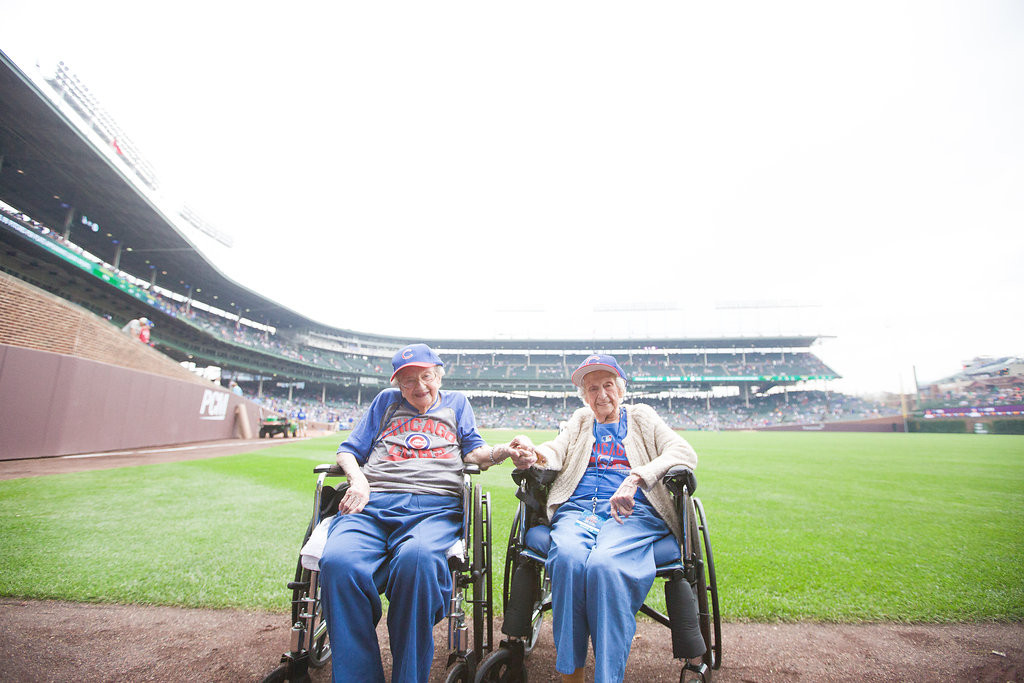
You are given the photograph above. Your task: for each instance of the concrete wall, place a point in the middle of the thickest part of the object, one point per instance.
(71, 382)
(55, 404)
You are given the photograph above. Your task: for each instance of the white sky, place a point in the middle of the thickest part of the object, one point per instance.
(518, 169)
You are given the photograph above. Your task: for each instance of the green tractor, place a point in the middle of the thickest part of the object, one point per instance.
(278, 424)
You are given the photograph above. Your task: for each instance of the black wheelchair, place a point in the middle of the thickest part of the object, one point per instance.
(470, 564)
(691, 592)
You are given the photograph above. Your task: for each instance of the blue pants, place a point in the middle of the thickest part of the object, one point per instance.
(599, 583)
(395, 546)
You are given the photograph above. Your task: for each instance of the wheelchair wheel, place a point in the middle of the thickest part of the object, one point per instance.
(458, 674)
(701, 674)
(283, 674)
(483, 596)
(707, 598)
(502, 666)
(715, 644)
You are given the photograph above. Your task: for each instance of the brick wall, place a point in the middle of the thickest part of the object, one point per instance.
(72, 383)
(34, 319)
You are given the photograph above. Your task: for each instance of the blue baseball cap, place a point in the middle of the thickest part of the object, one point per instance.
(596, 362)
(414, 355)
(146, 321)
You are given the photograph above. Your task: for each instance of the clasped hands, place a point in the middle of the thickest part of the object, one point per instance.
(525, 455)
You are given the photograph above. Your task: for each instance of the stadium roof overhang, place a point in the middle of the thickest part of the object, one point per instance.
(50, 167)
(612, 345)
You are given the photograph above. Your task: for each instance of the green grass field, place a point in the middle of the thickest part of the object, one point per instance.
(823, 526)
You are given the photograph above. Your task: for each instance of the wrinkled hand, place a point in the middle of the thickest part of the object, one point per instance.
(623, 499)
(523, 458)
(525, 454)
(356, 497)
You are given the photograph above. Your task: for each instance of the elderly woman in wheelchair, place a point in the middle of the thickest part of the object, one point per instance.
(401, 513)
(608, 507)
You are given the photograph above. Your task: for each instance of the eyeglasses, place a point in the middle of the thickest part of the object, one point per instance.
(429, 377)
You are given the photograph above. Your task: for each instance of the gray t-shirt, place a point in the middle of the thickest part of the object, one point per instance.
(402, 451)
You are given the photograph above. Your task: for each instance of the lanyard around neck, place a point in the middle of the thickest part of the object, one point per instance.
(620, 434)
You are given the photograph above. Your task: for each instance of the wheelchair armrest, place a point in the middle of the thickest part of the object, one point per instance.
(534, 494)
(471, 469)
(678, 477)
(534, 475)
(331, 470)
(330, 498)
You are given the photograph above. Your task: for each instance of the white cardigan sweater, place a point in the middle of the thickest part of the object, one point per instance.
(652, 448)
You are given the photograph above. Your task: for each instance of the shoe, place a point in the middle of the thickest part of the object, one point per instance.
(575, 677)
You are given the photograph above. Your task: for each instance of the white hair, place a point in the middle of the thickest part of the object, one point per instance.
(619, 382)
(438, 372)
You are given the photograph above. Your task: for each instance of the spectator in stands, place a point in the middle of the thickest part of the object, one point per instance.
(132, 327)
(147, 325)
(139, 329)
(235, 389)
(610, 458)
(401, 513)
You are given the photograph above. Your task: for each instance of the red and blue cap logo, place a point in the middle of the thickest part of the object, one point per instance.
(415, 355)
(598, 361)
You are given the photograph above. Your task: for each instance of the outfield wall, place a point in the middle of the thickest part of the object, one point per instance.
(71, 382)
(893, 423)
(54, 404)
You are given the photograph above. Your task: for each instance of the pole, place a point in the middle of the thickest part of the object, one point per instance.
(903, 406)
(917, 389)
(68, 217)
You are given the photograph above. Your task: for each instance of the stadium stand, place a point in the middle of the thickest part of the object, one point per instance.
(38, 320)
(193, 331)
(982, 396)
(71, 199)
(196, 332)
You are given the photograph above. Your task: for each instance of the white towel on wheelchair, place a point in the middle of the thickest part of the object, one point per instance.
(313, 550)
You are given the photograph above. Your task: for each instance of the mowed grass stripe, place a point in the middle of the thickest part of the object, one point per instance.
(837, 527)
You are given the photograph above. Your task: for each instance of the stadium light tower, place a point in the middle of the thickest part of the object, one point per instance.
(767, 305)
